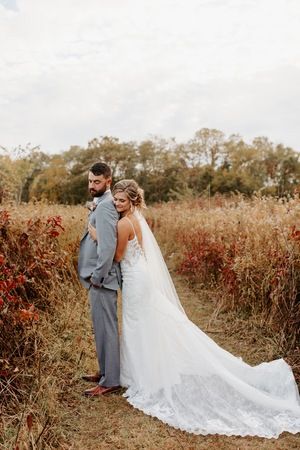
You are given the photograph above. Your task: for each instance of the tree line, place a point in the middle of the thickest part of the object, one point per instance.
(207, 164)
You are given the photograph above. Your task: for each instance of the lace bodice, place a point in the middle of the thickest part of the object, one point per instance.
(132, 254)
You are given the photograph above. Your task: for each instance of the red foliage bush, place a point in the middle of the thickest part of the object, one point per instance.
(30, 258)
(272, 288)
(203, 257)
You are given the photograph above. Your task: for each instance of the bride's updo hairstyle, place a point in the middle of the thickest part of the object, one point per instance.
(133, 192)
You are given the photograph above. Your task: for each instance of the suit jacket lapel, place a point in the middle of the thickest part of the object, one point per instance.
(100, 199)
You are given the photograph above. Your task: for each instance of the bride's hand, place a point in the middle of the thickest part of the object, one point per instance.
(92, 232)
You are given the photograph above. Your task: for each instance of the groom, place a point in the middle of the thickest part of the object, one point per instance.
(101, 275)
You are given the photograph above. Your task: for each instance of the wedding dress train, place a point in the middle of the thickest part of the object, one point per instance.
(175, 372)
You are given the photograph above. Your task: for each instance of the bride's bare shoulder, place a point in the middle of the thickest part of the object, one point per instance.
(124, 225)
(123, 222)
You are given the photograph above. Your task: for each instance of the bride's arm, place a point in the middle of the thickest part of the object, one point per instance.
(123, 230)
(92, 232)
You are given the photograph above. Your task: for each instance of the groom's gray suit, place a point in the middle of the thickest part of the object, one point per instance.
(97, 268)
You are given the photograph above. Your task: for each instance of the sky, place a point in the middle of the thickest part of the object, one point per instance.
(73, 70)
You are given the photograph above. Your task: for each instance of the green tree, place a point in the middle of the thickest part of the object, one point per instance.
(50, 183)
(18, 168)
(200, 179)
(245, 163)
(7, 182)
(206, 148)
(283, 170)
(161, 169)
(121, 157)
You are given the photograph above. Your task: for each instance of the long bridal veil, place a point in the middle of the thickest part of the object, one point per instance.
(158, 270)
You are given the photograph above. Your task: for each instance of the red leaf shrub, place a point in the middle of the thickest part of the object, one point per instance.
(203, 256)
(30, 260)
(249, 250)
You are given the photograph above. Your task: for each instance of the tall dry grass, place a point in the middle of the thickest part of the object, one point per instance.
(41, 309)
(248, 251)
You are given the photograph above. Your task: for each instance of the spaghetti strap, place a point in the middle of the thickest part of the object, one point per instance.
(131, 225)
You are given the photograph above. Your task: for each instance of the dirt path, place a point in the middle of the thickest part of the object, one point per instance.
(111, 423)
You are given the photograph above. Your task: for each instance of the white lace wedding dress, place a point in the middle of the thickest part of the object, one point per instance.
(175, 372)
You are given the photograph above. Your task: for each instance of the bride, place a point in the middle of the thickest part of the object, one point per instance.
(174, 371)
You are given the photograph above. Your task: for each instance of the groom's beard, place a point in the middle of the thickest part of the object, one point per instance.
(95, 193)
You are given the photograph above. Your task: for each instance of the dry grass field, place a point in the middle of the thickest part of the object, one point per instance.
(235, 264)
(248, 251)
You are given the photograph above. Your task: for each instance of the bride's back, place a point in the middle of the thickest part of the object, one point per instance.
(135, 229)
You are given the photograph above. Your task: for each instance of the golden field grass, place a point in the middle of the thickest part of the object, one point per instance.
(42, 406)
(248, 250)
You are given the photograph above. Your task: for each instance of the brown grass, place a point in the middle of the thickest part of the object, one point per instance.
(248, 251)
(43, 407)
(47, 348)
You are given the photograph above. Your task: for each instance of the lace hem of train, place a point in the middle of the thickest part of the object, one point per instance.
(210, 406)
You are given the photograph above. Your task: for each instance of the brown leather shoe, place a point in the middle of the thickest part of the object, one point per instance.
(92, 378)
(94, 392)
(100, 390)
(109, 389)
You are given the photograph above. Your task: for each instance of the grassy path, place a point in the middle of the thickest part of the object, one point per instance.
(111, 423)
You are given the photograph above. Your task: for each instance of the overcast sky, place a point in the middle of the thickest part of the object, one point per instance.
(72, 70)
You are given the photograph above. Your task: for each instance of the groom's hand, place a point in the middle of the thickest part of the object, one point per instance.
(95, 285)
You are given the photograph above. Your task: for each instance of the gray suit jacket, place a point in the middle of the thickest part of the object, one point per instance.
(95, 262)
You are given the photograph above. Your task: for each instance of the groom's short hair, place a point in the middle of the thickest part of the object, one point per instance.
(100, 168)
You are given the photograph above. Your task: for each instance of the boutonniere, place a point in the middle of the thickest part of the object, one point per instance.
(91, 206)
